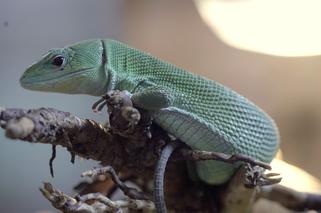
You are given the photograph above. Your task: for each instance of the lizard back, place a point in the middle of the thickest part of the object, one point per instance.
(205, 114)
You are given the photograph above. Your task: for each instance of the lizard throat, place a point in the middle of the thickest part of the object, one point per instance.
(34, 81)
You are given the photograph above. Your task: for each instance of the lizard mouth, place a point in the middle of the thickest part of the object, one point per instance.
(58, 78)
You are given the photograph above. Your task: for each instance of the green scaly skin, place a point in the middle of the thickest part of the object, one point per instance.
(202, 113)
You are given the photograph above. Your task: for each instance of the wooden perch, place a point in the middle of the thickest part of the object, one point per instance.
(130, 145)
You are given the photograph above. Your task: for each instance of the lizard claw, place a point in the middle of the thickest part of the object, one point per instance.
(114, 98)
(271, 178)
(255, 176)
(99, 105)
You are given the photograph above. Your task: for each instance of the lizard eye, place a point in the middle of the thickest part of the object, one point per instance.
(58, 60)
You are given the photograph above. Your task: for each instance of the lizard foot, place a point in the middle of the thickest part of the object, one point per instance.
(114, 99)
(255, 176)
(122, 116)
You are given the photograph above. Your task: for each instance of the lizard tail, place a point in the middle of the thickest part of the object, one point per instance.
(159, 198)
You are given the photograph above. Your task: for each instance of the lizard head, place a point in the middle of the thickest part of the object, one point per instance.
(75, 69)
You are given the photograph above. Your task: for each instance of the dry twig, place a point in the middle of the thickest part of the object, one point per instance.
(101, 203)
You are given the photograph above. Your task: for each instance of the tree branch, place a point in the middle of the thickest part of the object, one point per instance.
(291, 199)
(131, 145)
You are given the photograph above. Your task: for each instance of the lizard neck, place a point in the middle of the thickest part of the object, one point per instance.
(120, 68)
(97, 86)
(106, 77)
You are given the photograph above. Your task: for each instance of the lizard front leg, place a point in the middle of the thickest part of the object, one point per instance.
(152, 98)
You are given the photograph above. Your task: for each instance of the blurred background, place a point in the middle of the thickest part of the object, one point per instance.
(268, 51)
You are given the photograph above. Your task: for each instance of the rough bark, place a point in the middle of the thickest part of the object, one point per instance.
(130, 144)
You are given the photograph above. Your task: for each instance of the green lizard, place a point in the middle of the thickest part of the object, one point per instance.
(200, 112)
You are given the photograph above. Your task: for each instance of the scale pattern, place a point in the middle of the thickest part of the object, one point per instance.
(205, 114)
